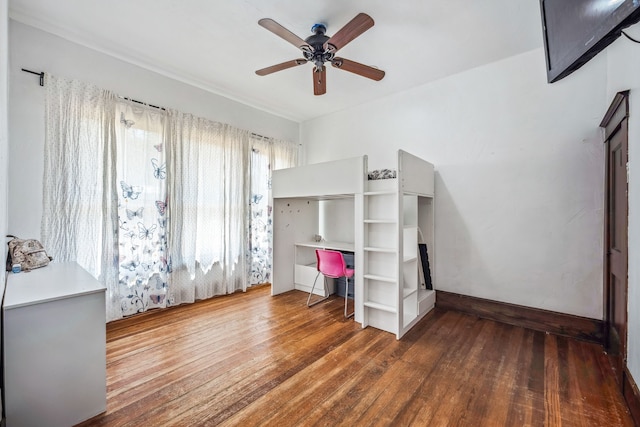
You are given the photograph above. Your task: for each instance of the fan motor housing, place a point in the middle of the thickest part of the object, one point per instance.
(318, 55)
(318, 39)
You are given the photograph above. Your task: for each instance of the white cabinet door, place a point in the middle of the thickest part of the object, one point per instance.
(54, 347)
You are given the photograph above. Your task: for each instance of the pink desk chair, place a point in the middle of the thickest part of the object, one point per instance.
(331, 264)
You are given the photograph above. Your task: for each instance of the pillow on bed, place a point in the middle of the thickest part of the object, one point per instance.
(382, 174)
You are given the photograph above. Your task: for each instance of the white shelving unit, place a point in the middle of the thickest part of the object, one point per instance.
(392, 297)
(382, 221)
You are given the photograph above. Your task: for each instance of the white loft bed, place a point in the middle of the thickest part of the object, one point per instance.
(296, 193)
(331, 179)
(379, 215)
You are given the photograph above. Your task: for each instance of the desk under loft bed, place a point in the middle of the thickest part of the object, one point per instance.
(381, 216)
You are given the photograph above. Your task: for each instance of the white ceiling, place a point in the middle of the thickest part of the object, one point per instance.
(217, 44)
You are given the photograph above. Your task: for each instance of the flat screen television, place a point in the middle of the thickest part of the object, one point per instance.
(576, 30)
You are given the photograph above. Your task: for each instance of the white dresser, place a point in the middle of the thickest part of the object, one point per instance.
(54, 346)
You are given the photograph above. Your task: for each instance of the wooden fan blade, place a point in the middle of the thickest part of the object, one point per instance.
(358, 68)
(282, 32)
(319, 81)
(280, 67)
(358, 25)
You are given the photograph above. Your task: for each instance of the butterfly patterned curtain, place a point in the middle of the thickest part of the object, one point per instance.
(267, 154)
(141, 177)
(260, 236)
(162, 207)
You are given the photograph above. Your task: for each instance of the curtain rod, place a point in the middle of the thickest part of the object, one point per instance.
(143, 103)
(41, 74)
(257, 135)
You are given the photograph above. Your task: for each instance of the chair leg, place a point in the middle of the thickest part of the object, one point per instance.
(326, 291)
(346, 298)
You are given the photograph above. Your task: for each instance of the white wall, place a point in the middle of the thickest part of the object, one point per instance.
(40, 51)
(519, 189)
(336, 220)
(4, 143)
(4, 133)
(623, 66)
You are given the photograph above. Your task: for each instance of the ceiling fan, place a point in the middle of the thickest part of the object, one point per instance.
(320, 48)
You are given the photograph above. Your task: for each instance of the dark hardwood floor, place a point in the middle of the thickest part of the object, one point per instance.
(252, 359)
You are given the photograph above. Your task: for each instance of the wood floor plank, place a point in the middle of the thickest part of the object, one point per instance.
(187, 361)
(251, 359)
(495, 373)
(520, 411)
(595, 368)
(505, 381)
(269, 378)
(551, 383)
(215, 385)
(432, 354)
(356, 389)
(459, 383)
(295, 398)
(397, 394)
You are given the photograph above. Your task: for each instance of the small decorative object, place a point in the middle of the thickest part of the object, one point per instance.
(27, 253)
(317, 238)
(15, 268)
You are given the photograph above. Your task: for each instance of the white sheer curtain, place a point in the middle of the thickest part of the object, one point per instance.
(267, 154)
(208, 193)
(183, 212)
(79, 220)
